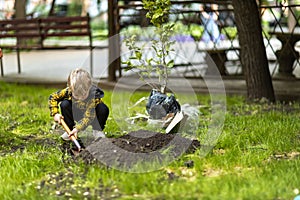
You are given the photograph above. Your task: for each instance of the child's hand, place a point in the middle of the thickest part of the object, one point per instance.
(57, 117)
(74, 132)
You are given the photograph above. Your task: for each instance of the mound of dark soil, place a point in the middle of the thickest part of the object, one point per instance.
(138, 147)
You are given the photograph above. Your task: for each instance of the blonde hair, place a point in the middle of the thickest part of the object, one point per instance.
(80, 82)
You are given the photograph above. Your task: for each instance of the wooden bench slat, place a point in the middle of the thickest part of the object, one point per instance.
(65, 34)
(21, 35)
(67, 47)
(19, 21)
(8, 29)
(64, 19)
(64, 27)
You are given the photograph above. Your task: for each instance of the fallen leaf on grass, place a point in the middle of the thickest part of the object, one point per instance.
(212, 172)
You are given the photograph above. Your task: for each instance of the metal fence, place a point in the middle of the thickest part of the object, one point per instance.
(197, 36)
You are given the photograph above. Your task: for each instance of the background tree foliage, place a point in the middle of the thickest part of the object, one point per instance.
(157, 12)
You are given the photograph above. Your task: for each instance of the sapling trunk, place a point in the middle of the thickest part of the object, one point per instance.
(165, 71)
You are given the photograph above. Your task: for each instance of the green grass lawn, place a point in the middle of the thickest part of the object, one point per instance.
(256, 156)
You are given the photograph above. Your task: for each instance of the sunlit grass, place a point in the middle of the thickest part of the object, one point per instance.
(256, 156)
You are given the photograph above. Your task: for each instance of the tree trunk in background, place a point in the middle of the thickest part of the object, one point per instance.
(253, 52)
(51, 12)
(85, 7)
(20, 13)
(20, 8)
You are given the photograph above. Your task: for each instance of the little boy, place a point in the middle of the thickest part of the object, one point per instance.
(82, 102)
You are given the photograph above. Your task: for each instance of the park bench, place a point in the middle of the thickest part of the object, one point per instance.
(287, 55)
(32, 34)
(219, 56)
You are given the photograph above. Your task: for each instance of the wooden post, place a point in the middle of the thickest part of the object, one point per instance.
(1, 65)
(113, 41)
(1, 62)
(19, 61)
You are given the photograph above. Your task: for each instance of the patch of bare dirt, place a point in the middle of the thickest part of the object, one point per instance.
(138, 147)
(20, 144)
